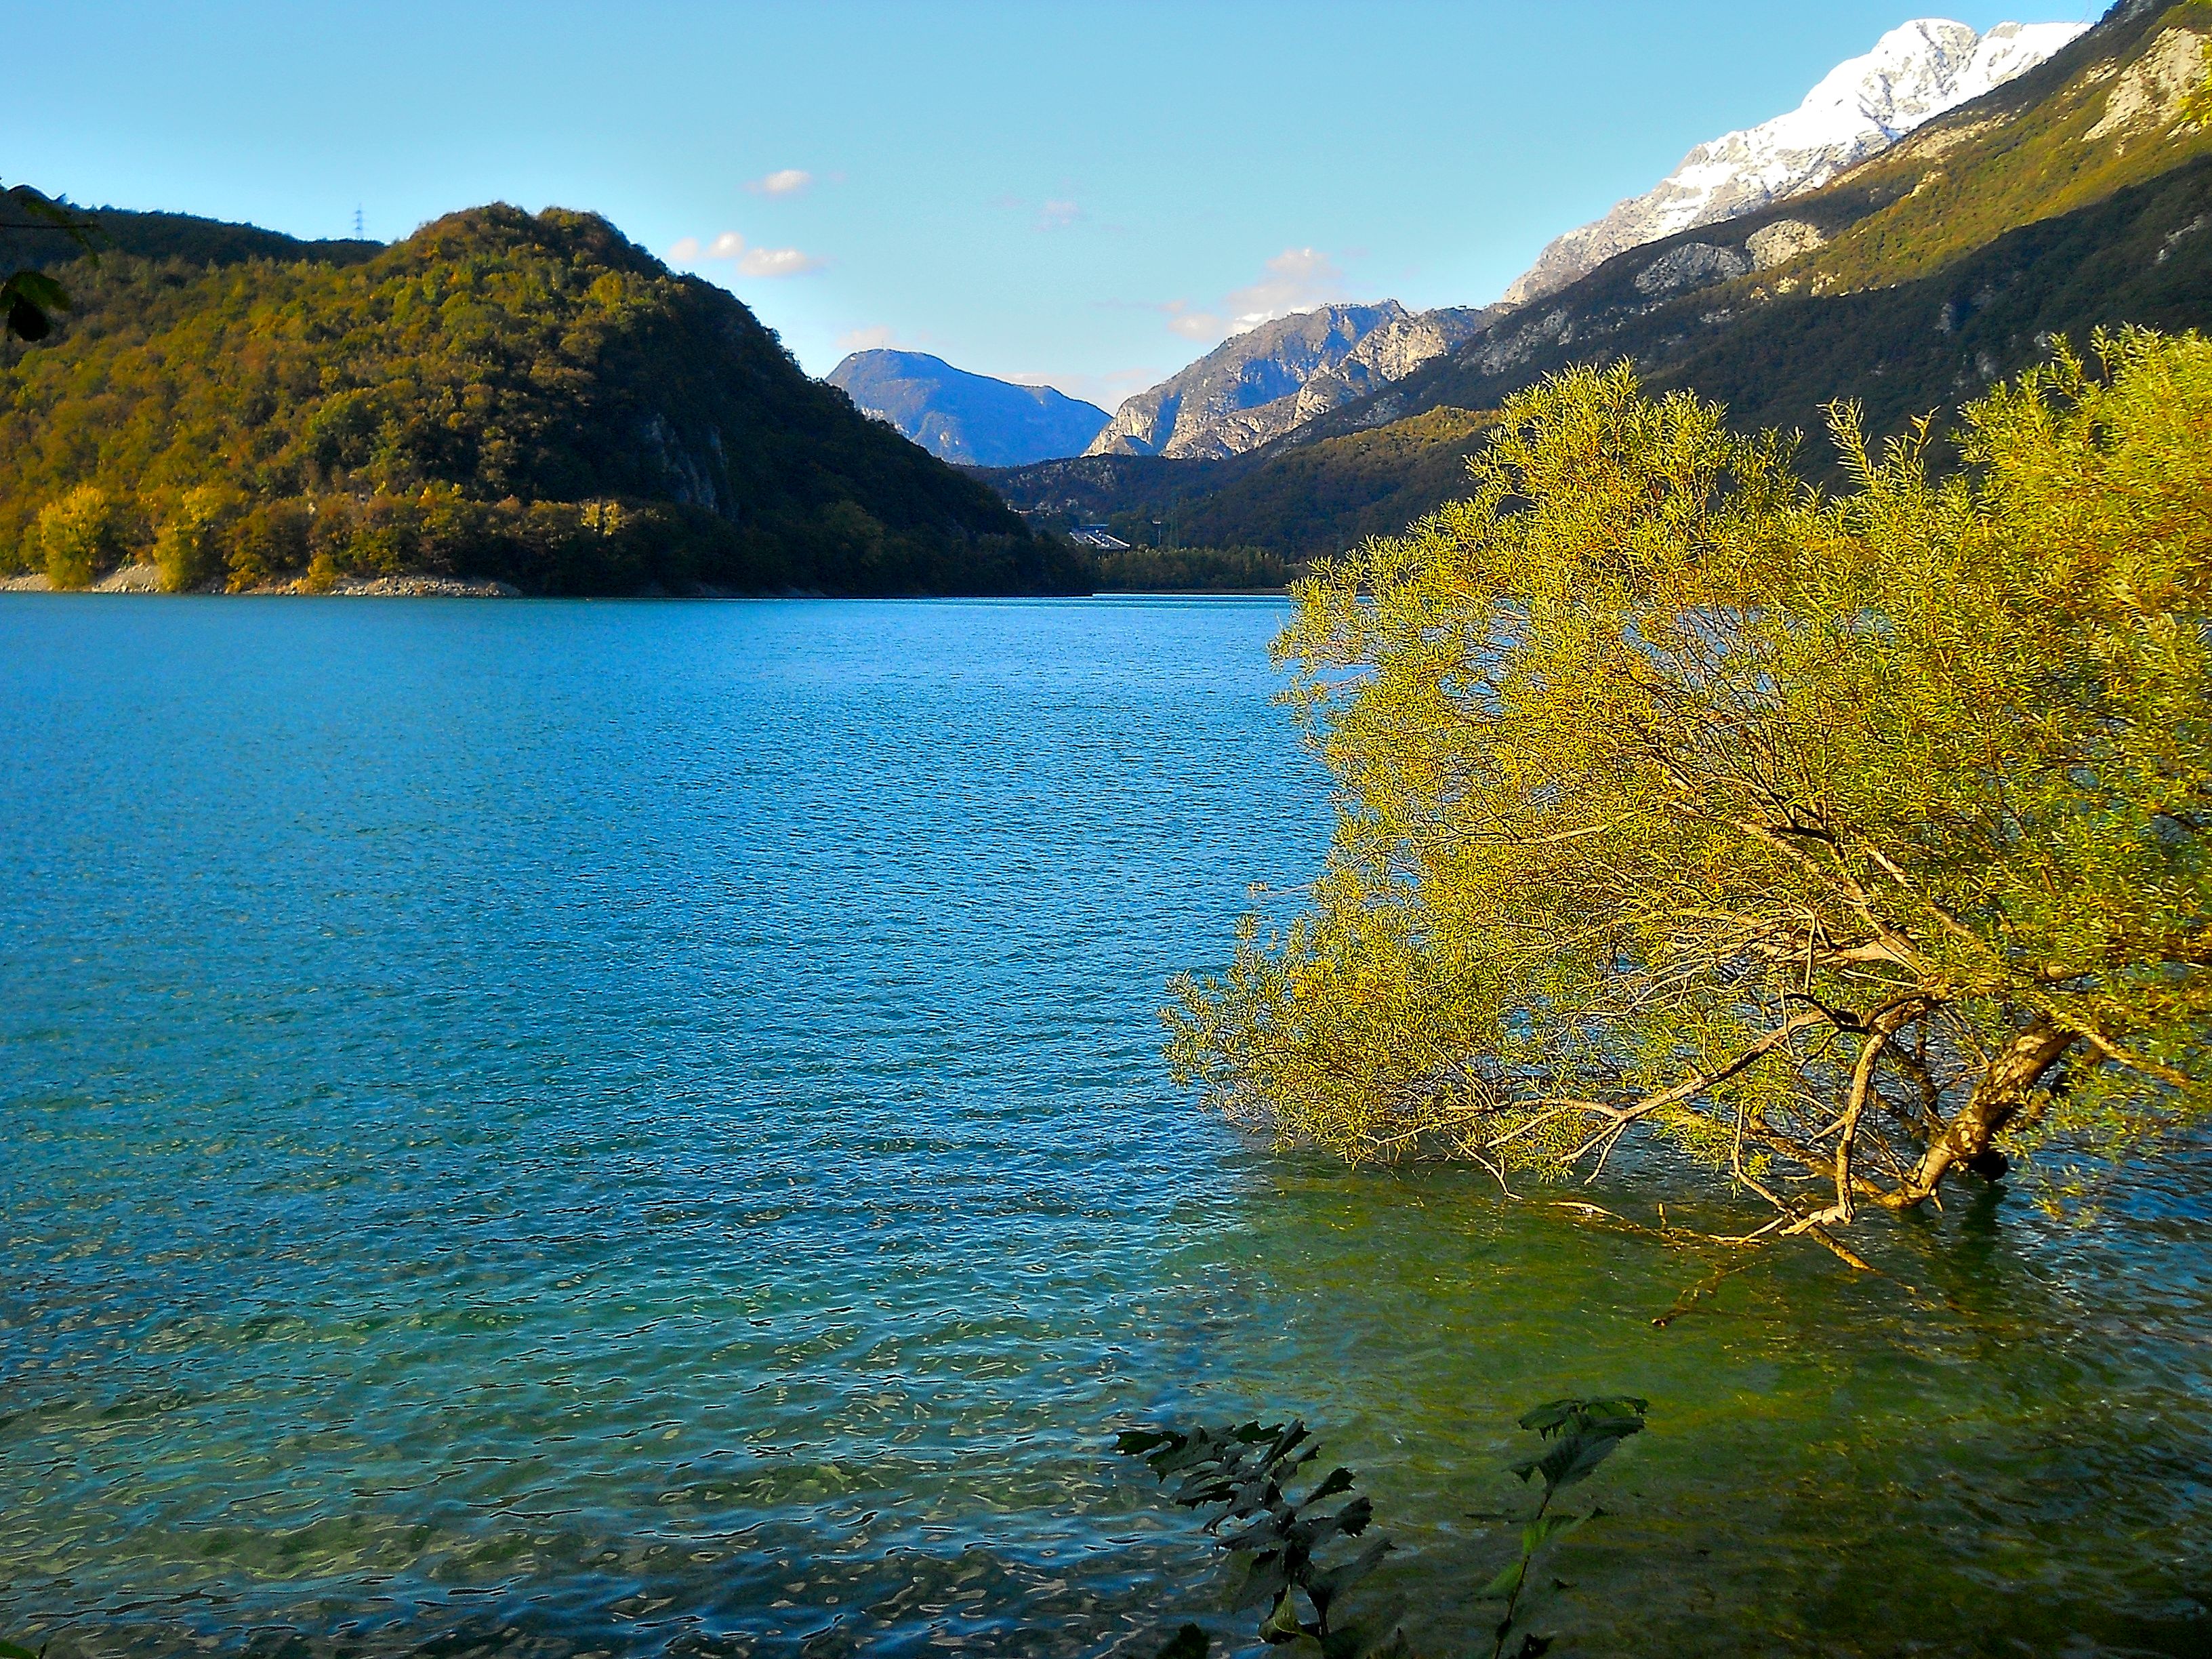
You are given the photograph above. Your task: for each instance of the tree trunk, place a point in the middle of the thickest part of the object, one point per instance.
(2011, 1078)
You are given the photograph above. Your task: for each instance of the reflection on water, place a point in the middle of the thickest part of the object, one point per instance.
(629, 1128)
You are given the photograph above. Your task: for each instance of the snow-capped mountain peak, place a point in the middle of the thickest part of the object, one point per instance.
(1915, 73)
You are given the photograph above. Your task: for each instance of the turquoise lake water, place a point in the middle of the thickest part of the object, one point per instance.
(636, 1128)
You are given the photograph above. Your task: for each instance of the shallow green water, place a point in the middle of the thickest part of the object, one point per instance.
(633, 1129)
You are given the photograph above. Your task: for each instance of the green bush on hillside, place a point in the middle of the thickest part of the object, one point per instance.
(79, 535)
(1192, 569)
(188, 548)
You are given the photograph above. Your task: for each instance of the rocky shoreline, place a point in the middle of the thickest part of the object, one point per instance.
(146, 579)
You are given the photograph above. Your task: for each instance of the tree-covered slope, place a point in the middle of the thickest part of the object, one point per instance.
(176, 236)
(1295, 503)
(523, 397)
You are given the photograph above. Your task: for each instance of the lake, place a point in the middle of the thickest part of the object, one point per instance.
(637, 1127)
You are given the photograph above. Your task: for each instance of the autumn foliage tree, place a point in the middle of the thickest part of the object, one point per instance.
(1839, 843)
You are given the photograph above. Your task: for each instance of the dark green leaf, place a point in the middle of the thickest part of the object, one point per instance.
(1268, 1578)
(1188, 1643)
(26, 321)
(1336, 1481)
(1589, 1451)
(1537, 1533)
(1559, 1415)
(1282, 1625)
(1290, 1434)
(1326, 1586)
(1545, 1418)
(41, 289)
(1505, 1583)
(1268, 1533)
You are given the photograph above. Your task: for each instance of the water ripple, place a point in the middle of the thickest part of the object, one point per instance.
(563, 1129)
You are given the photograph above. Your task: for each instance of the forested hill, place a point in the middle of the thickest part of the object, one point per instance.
(175, 236)
(523, 397)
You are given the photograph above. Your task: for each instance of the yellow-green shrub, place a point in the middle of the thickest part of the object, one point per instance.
(80, 535)
(1840, 842)
(189, 547)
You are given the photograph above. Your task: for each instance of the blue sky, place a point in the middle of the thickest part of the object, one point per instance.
(1063, 192)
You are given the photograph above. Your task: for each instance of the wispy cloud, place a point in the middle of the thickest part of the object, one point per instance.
(1192, 325)
(1192, 322)
(1054, 213)
(750, 261)
(1297, 279)
(784, 181)
(1109, 391)
(777, 262)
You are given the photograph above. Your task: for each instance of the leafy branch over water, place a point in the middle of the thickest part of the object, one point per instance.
(1296, 1555)
(1244, 1471)
(1582, 1434)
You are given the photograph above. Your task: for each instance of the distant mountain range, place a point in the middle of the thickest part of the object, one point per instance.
(1253, 388)
(1262, 385)
(1257, 386)
(1864, 105)
(2074, 195)
(968, 418)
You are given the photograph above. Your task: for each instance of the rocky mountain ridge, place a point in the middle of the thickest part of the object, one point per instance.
(1917, 71)
(970, 419)
(1257, 386)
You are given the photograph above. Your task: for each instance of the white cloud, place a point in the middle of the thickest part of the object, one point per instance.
(777, 262)
(751, 261)
(1297, 279)
(1183, 318)
(878, 336)
(784, 181)
(690, 250)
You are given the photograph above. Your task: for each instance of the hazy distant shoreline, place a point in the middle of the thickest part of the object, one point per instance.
(143, 579)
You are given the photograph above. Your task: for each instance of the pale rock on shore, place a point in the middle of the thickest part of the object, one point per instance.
(146, 579)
